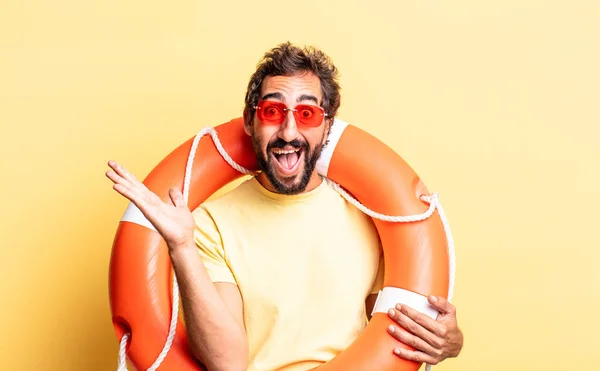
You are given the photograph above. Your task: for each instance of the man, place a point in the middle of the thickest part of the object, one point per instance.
(282, 273)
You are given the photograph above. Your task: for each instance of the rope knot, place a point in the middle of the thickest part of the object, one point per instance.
(430, 199)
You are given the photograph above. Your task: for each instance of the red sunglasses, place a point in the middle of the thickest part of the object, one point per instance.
(274, 113)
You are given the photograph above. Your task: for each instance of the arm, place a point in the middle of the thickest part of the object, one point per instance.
(212, 312)
(432, 340)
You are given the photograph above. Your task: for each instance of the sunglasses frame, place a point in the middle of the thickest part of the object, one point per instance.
(294, 111)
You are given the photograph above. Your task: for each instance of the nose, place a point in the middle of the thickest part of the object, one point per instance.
(288, 130)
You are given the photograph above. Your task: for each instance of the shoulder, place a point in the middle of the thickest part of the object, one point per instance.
(331, 193)
(206, 232)
(237, 195)
(211, 214)
(352, 214)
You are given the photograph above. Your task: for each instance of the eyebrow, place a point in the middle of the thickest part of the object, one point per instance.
(304, 97)
(274, 95)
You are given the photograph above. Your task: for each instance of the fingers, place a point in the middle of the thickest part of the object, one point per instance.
(127, 185)
(121, 185)
(176, 197)
(416, 356)
(418, 324)
(413, 341)
(432, 340)
(121, 171)
(441, 304)
(120, 176)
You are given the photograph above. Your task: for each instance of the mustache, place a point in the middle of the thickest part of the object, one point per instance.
(280, 143)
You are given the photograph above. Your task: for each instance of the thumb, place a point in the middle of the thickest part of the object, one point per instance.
(176, 197)
(441, 304)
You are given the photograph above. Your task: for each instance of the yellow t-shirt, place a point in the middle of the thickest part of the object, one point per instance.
(304, 265)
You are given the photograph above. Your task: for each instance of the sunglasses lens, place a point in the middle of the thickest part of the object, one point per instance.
(271, 113)
(309, 115)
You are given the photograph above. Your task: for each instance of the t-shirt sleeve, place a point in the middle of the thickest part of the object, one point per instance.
(378, 284)
(210, 247)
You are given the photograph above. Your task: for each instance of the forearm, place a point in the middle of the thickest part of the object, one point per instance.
(215, 337)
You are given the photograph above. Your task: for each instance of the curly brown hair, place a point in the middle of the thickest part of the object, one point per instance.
(286, 60)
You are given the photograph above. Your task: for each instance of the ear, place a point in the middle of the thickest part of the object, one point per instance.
(326, 130)
(248, 123)
(248, 128)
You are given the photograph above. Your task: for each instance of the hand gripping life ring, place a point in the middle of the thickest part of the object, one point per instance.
(418, 254)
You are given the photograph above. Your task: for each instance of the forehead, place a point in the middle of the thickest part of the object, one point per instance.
(292, 86)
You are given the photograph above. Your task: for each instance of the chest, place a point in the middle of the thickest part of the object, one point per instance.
(306, 258)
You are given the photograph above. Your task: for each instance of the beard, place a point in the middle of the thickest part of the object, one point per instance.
(287, 185)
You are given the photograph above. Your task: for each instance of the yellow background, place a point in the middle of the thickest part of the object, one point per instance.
(494, 103)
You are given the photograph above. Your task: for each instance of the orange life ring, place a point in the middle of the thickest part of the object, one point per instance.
(417, 262)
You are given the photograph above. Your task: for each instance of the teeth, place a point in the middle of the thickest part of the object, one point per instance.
(281, 151)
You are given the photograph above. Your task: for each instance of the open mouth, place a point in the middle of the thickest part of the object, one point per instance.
(287, 160)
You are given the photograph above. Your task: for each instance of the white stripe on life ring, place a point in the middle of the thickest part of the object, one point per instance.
(134, 215)
(337, 129)
(390, 296)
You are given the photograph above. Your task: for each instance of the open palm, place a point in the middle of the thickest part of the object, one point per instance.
(173, 220)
